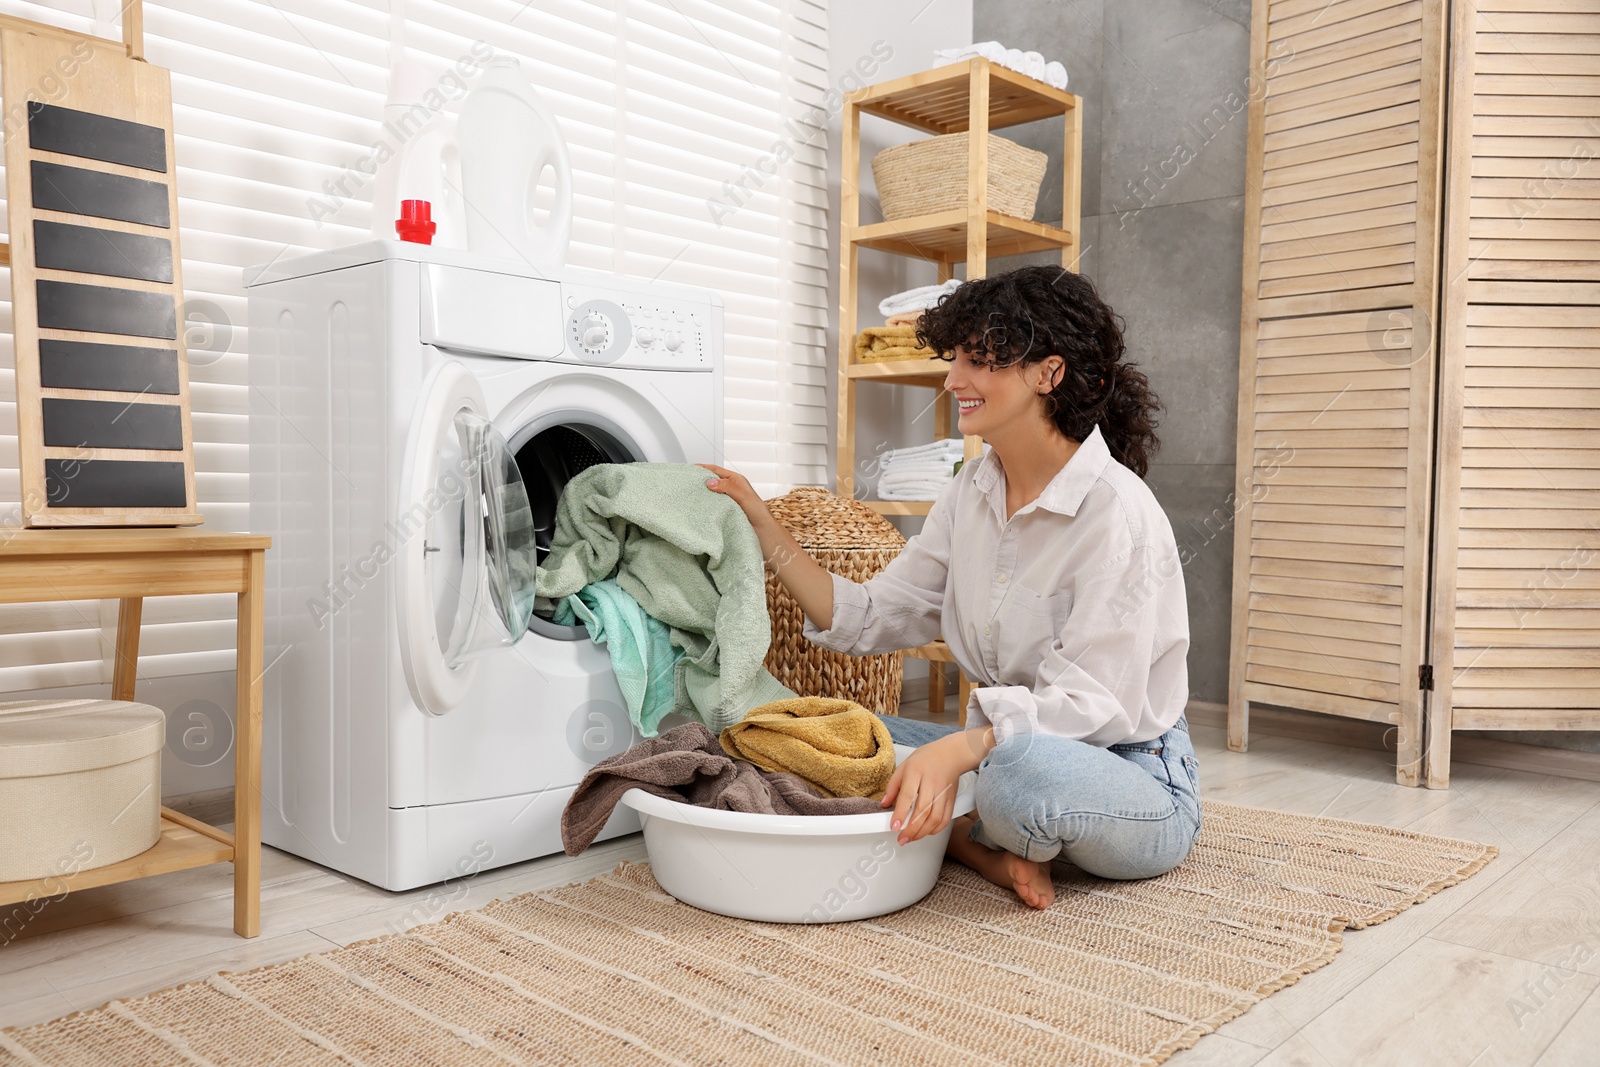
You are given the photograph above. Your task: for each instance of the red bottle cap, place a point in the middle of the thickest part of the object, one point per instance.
(416, 223)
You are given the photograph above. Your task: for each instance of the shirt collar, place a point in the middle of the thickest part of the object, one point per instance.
(1066, 490)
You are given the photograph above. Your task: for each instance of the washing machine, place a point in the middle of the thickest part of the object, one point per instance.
(418, 727)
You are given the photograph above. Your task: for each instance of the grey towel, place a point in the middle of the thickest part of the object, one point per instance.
(687, 764)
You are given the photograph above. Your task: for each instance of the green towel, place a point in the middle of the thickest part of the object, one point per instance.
(641, 650)
(691, 560)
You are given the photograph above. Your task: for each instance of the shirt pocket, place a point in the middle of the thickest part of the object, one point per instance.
(1038, 615)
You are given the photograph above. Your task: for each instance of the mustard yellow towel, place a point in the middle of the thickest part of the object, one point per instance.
(837, 746)
(889, 342)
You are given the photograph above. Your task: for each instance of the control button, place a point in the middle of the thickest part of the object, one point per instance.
(646, 337)
(674, 342)
(572, 301)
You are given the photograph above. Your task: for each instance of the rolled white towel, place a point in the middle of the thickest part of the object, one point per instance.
(1051, 73)
(918, 299)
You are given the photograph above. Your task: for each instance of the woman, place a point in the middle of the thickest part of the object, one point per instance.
(1054, 577)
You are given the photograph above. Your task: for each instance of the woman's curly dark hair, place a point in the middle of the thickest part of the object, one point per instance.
(1028, 314)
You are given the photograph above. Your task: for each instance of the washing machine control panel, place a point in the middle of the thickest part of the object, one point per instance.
(628, 330)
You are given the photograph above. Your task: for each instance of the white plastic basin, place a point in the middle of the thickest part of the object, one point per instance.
(790, 868)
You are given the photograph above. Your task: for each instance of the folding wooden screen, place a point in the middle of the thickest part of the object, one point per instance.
(1419, 407)
(1336, 375)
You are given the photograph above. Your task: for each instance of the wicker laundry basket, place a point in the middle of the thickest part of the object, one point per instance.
(930, 175)
(854, 542)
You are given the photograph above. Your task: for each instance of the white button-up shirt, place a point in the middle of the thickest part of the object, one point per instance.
(1070, 616)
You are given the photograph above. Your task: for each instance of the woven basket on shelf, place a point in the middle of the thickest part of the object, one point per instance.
(853, 541)
(928, 176)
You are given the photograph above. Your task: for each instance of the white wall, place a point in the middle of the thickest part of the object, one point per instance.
(889, 416)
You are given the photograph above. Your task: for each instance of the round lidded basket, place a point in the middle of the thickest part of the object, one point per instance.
(851, 540)
(930, 175)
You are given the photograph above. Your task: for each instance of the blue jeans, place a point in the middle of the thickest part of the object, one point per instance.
(1128, 811)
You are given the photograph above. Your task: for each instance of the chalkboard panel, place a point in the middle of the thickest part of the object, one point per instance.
(112, 424)
(99, 309)
(57, 187)
(114, 483)
(104, 436)
(90, 250)
(123, 368)
(80, 133)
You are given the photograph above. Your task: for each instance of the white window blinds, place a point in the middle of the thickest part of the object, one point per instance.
(697, 145)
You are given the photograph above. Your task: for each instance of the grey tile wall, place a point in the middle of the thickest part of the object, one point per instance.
(1165, 124)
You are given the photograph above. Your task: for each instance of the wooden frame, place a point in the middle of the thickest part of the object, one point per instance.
(47, 565)
(75, 479)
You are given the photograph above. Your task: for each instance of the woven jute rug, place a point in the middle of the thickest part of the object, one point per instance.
(616, 971)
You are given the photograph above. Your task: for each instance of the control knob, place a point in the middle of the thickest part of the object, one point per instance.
(592, 331)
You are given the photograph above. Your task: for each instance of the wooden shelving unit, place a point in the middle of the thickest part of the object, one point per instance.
(977, 96)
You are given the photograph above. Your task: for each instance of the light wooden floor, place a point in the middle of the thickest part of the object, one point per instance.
(1500, 970)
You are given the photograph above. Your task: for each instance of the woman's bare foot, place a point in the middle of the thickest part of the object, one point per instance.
(1029, 879)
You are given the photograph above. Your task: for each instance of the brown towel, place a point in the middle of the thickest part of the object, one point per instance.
(889, 342)
(905, 318)
(839, 747)
(686, 764)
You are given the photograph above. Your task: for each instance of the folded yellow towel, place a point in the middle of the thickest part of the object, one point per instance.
(889, 342)
(837, 746)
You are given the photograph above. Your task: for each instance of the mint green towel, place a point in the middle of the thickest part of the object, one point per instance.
(642, 655)
(691, 560)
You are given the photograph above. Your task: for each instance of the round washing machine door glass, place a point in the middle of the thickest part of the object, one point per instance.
(467, 561)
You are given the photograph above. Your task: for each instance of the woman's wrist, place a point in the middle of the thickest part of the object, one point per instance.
(969, 747)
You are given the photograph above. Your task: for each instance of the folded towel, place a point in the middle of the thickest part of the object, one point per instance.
(1032, 64)
(687, 764)
(937, 450)
(918, 299)
(889, 342)
(905, 318)
(916, 491)
(916, 472)
(642, 656)
(691, 559)
(837, 746)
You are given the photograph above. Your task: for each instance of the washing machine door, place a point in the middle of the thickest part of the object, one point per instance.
(467, 566)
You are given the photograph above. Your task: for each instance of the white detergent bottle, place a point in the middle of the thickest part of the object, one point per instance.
(508, 139)
(423, 161)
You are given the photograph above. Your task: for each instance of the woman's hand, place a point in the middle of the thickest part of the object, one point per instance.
(807, 582)
(736, 487)
(923, 787)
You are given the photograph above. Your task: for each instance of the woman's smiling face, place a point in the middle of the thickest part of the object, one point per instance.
(995, 400)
